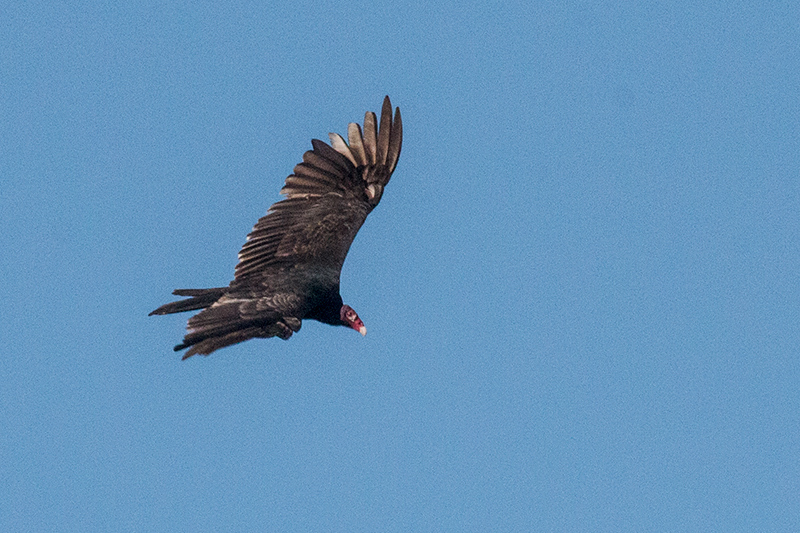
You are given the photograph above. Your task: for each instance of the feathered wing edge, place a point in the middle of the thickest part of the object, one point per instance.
(375, 151)
(362, 167)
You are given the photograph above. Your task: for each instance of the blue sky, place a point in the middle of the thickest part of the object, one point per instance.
(581, 286)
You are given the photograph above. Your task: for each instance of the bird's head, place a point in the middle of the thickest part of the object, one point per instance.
(350, 319)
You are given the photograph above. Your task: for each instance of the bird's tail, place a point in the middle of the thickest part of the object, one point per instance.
(200, 299)
(222, 325)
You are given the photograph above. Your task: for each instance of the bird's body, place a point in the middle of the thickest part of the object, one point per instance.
(289, 267)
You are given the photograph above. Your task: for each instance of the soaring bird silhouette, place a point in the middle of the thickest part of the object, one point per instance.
(289, 267)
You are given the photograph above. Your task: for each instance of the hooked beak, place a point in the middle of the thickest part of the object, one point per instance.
(363, 330)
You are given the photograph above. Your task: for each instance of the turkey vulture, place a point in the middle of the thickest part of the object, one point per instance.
(289, 267)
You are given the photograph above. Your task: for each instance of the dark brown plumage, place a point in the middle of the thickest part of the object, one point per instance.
(289, 267)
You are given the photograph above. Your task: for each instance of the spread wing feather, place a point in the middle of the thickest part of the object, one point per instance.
(328, 197)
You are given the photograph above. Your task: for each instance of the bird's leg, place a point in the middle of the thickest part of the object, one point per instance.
(287, 326)
(283, 331)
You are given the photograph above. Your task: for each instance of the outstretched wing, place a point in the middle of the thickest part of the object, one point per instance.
(328, 197)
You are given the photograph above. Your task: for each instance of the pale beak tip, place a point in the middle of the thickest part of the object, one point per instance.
(363, 331)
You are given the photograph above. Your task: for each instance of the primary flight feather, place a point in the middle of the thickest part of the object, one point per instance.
(289, 267)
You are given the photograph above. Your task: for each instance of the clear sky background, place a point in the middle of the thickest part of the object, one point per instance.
(581, 286)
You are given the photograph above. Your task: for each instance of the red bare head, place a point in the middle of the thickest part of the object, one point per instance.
(351, 320)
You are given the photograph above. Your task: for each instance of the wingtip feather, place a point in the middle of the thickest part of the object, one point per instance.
(385, 131)
(355, 137)
(370, 137)
(340, 146)
(396, 141)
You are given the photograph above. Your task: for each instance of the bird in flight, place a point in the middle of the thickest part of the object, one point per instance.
(289, 267)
